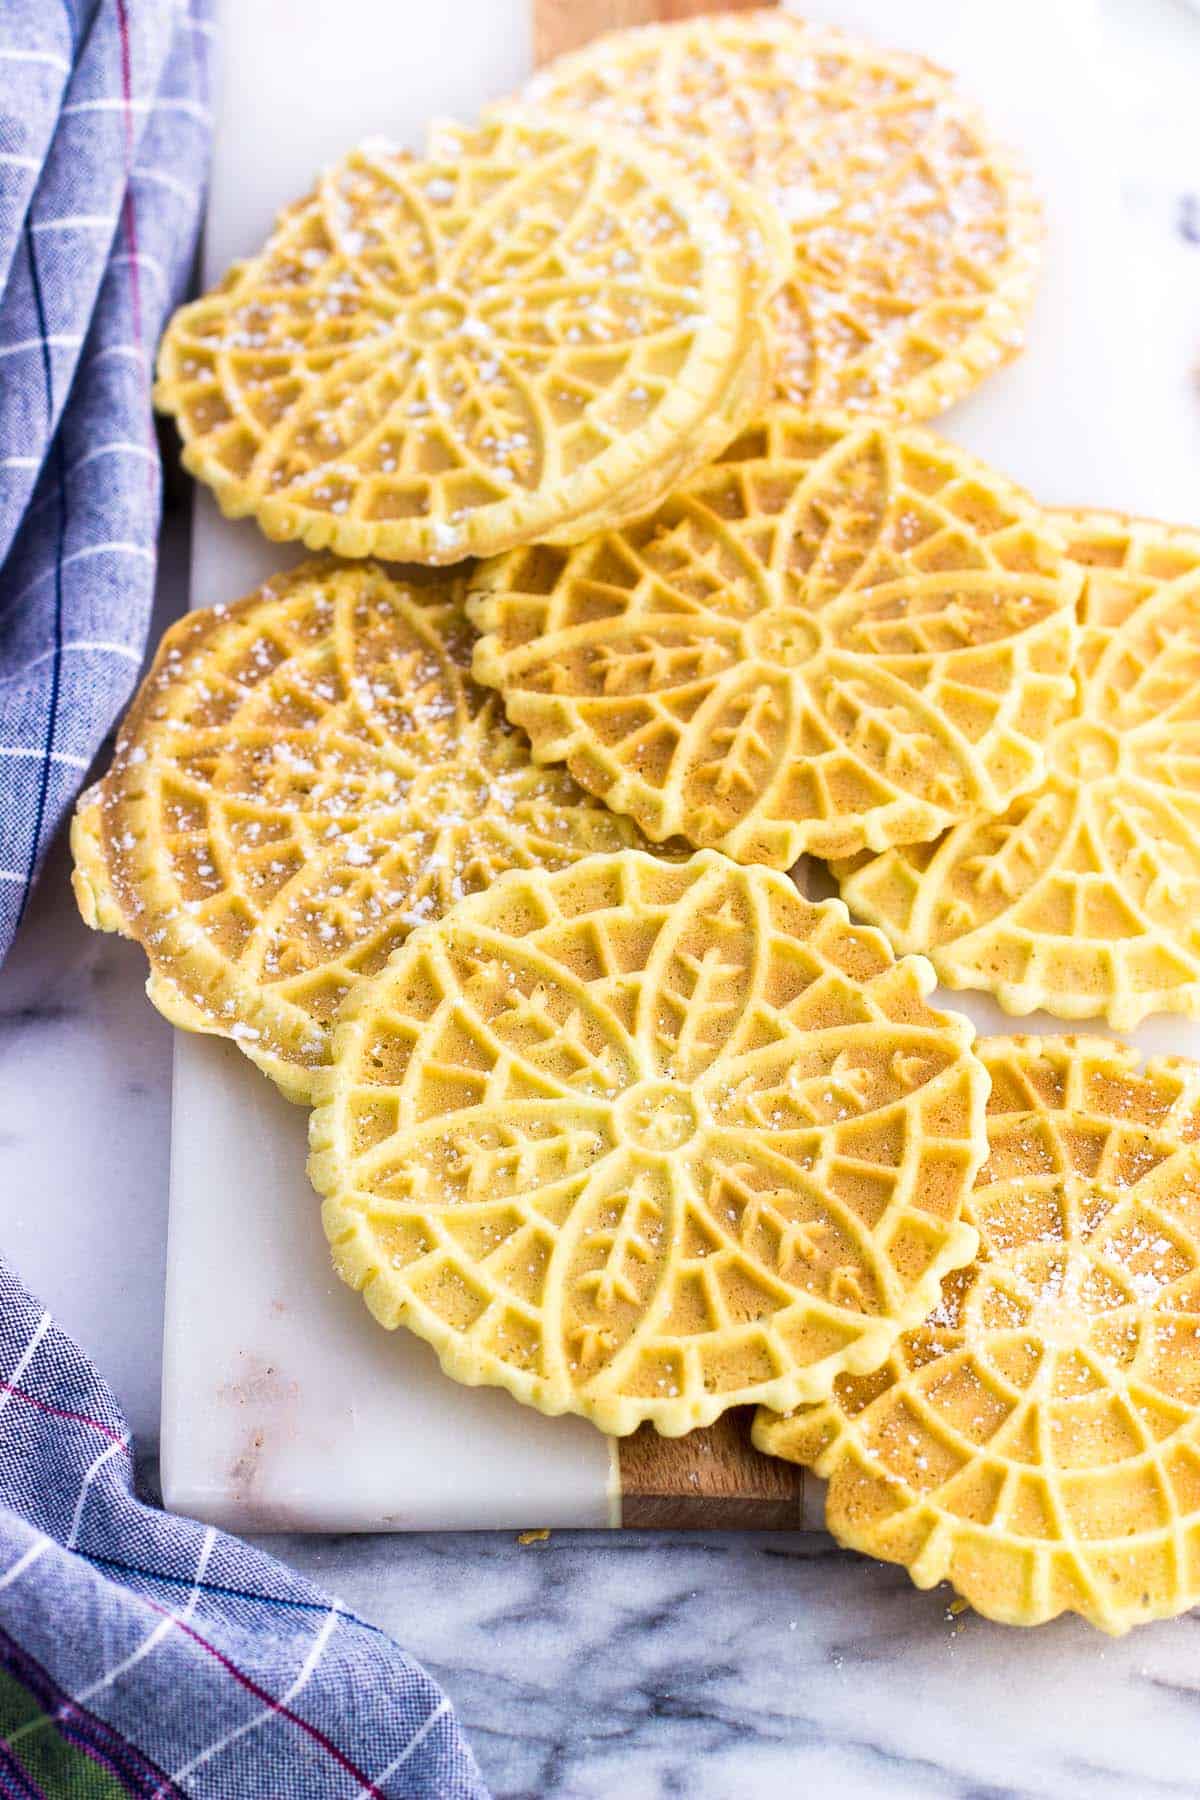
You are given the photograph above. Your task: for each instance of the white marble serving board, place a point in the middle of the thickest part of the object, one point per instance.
(284, 1406)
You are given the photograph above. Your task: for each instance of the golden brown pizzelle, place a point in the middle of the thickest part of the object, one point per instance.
(644, 1140)
(304, 776)
(1037, 1441)
(839, 635)
(1083, 898)
(538, 326)
(915, 236)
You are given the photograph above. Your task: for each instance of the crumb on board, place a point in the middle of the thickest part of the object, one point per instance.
(534, 1537)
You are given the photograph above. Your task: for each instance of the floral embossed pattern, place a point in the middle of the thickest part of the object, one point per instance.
(537, 327)
(645, 1140)
(304, 777)
(915, 237)
(837, 637)
(1084, 897)
(1037, 1441)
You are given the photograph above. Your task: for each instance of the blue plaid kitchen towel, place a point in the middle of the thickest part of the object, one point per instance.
(145, 1654)
(104, 133)
(139, 1653)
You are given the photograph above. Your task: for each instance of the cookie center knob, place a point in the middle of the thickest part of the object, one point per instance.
(457, 795)
(1086, 751)
(657, 1116)
(783, 638)
(1055, 1293)
(435, 317)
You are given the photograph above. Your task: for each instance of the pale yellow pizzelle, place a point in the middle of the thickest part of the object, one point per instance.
(1037, 1441)
(536, 327)
(645, 1140)
(303, 777)
(1084, 897)
(841, 635)
(915, 234)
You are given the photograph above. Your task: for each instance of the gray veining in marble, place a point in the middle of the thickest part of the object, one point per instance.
(624, 1665)
(721, 1666)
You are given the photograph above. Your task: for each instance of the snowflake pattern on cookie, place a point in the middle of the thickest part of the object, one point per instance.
(644, 1140)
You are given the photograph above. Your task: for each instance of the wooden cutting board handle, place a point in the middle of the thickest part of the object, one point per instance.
(710, 1480)
(560, 25)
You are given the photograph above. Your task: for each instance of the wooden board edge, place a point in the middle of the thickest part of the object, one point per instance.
(562, 25)
(709, 1480)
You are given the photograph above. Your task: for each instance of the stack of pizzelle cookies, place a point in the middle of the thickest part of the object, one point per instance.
(641, 584)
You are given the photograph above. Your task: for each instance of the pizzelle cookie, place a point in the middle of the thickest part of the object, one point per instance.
(915, 235)
(1084, 898)
(643, 1140)
(535, 328)
(1037, 1441)
(839, 636)
(303, 777)
(762, 256)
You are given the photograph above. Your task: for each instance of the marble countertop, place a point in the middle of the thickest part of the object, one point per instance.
(711, 1666)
